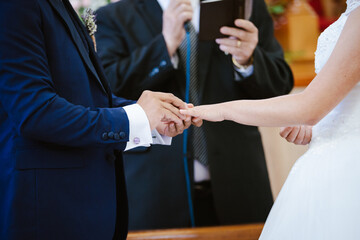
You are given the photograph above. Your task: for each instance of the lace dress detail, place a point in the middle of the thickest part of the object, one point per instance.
(320, 198)
(328, 39)
(351, 5)
(343, 118)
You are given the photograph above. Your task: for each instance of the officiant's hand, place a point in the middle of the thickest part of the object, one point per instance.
(241, 42)
(162, 110)
(174, 17)
(300, 135)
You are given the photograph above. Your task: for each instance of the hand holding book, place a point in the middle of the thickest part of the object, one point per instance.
(241, 41)
(226, 21)
(217, 13)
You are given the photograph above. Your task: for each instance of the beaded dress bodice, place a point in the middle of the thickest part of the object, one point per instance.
(344, 120)
(329, 37)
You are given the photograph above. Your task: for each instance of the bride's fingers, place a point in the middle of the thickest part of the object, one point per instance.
(285, 131)
(308, 135)
(190, 112)
(293, 134)
(197, 121)
(211, 113)
(301, 135)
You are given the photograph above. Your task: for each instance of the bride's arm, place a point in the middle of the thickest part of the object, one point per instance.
(329, 87)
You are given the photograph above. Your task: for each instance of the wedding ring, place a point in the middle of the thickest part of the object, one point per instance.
(238, 43)
(226, 53)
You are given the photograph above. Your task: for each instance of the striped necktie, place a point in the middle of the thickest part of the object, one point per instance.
(198, 135)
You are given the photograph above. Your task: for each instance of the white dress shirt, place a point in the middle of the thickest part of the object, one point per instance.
(140, 134)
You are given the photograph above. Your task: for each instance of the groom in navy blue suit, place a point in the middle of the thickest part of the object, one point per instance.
(62, 131)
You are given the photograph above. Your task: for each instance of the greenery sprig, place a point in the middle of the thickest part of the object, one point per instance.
(89, 19)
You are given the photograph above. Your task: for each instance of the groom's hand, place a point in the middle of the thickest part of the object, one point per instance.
(162, 110)
(173, 129)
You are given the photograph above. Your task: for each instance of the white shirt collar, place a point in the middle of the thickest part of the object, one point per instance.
(196, 6)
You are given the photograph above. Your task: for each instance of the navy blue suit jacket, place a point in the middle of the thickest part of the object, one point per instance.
(61, 129)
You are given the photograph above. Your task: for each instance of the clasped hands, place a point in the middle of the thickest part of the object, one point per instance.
(170, 116)
(163, 112)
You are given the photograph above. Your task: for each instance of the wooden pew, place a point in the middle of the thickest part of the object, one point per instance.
(238, 232)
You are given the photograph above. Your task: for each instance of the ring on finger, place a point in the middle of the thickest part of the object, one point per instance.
(238, 43)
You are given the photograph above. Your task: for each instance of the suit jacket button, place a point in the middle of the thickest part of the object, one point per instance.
(111, 135)
(122, 135)
(105, 136)
(163, 63)
(116, 136)
(154, 72)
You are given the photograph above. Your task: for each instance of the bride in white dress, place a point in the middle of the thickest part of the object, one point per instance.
(321, 197)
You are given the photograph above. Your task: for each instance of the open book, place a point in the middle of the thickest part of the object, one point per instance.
(217, 13)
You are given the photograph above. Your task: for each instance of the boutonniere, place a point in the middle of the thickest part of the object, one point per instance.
(89, 19)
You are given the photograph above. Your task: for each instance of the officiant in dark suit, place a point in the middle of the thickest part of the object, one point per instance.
(142, 45)
(62, 131)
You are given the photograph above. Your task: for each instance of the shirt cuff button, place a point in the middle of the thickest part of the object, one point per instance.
(136, 140)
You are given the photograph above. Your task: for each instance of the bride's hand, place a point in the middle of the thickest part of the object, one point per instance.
(195, 121)
(206, 112)
(300, 135)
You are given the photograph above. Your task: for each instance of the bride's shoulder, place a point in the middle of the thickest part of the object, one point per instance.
(352, 5)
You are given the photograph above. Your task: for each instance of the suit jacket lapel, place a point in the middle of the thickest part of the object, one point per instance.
(70, 25)
(151, 12)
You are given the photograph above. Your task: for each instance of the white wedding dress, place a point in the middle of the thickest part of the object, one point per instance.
(320, 199)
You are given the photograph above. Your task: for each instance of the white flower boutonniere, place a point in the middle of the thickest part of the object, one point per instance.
(89, 19)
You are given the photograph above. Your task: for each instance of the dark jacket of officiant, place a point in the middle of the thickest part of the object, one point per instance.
(135, 57)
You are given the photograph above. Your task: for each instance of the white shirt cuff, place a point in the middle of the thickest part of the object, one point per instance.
(139, 127)
(140, 134)
(160, 139)
(244, 72)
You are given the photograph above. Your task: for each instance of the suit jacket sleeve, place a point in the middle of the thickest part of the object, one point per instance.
(130, 71)
(272, 75)
(27, 92)
(120, 102)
